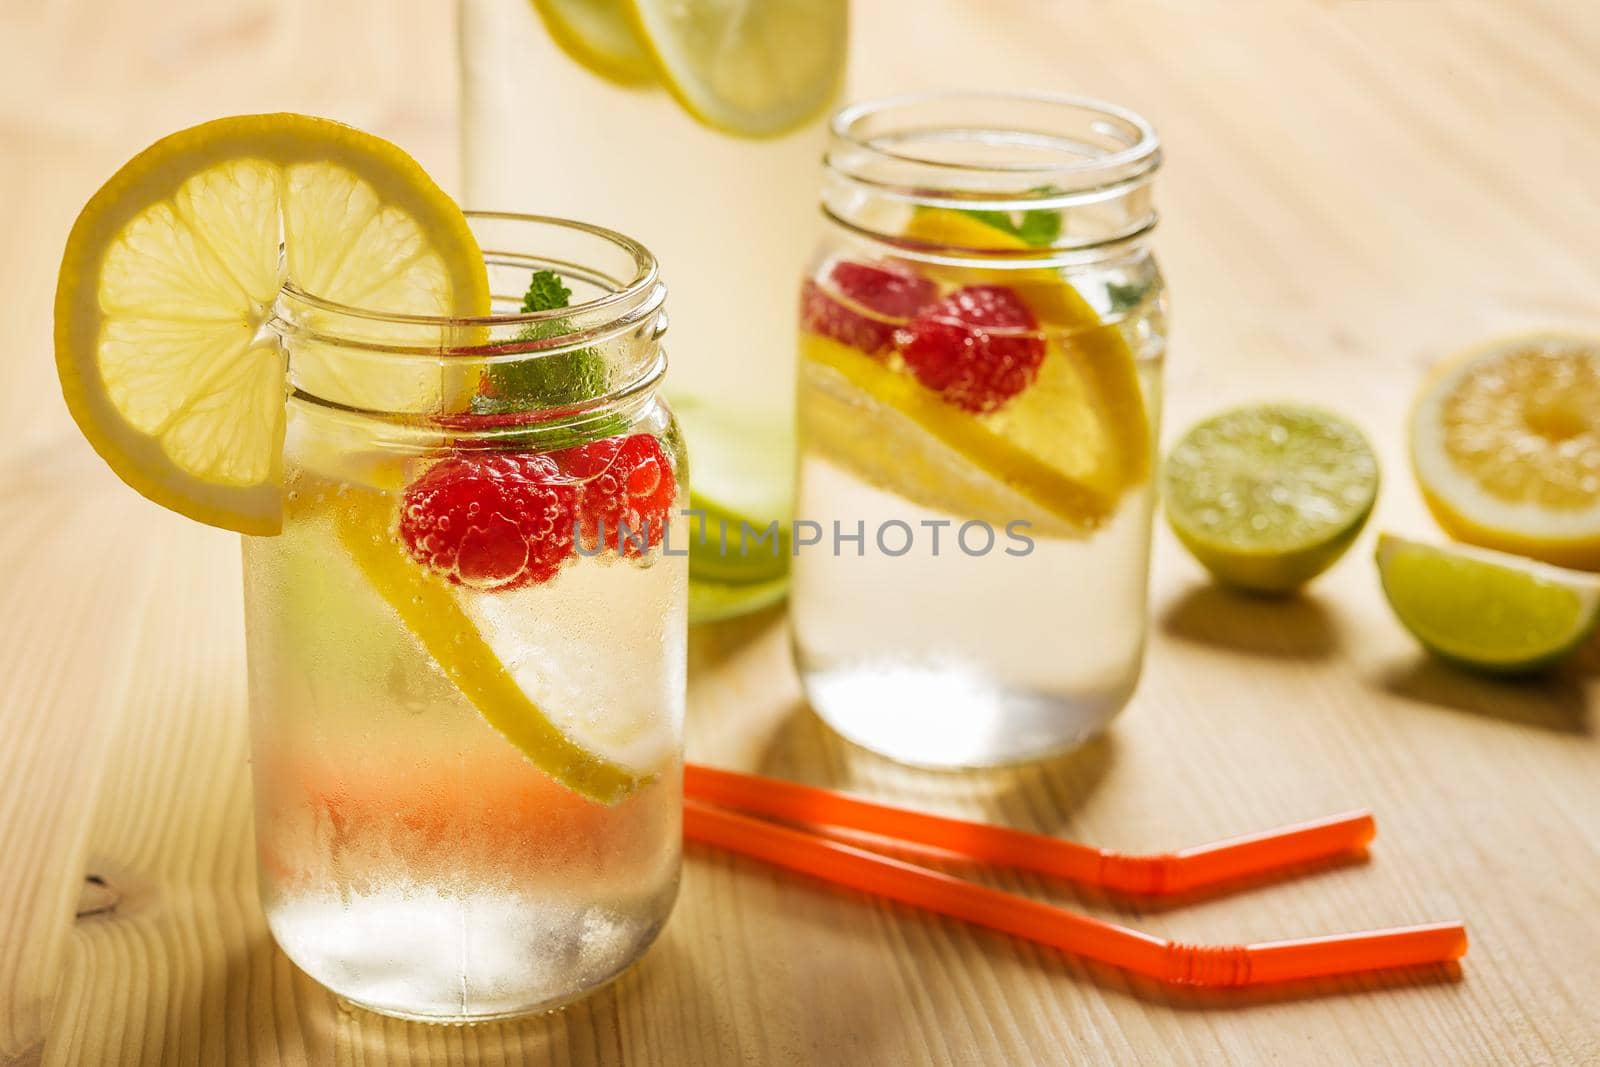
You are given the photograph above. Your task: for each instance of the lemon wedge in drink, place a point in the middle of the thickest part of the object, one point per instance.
(1490, 611)
(171, 273)
(1505, 441)
(432, 611)
(1059, 454)
(752, 68)
(1268, 497)
(1086, 413)
(599, 35)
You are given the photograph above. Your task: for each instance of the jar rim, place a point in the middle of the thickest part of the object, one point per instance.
(646, 276)
(1139, 154)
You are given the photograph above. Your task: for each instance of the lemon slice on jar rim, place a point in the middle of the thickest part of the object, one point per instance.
(171, 272)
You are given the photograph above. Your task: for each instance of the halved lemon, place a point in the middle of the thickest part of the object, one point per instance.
(170, 276)
(1505, 441)
(599, 35)
(752, 68)
(1490, 611)
(1060, 454)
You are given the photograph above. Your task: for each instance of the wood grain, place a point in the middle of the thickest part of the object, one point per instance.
(1353, 189)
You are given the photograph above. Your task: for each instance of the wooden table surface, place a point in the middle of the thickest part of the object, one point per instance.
(1353, 189)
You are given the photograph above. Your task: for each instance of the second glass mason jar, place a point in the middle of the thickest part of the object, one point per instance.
(981, 337)
(466, 647)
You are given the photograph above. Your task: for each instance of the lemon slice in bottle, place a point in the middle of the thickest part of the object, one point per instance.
(752, 68)
(171, 272)
(1489, 611)
(1505, 442)
(599, 35)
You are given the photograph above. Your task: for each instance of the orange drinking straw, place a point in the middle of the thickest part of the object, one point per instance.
(1216, 966)
(1171, 872)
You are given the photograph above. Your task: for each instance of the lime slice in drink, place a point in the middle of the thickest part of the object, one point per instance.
(432, 612)
(716, 601)
(599, 35)
(171, 273)
(752, 68)
(1490, 611)
(1268, 497)
(741, 478)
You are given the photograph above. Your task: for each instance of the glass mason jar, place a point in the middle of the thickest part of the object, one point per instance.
(981, 339)
(467, 645)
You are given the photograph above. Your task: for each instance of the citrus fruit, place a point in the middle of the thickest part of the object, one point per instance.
(894, 432)
(1505, 441)
(1057, 449)
(743, 476)
(566, 748)
(171, 273)
(599, 35)
(1490, 611)
(715, 601)
(752, 68)
(1268, 497)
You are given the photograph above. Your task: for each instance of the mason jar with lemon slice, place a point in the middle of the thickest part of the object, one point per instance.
(442, 438)
(981, 338)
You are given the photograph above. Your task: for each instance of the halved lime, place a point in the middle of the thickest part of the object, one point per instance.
(1268, 497)
(1490, 611)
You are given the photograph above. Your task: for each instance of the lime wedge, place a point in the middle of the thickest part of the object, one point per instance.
(1486, 610)
(599, 36)
(1268, 497)
(430, 610)
(752, 68)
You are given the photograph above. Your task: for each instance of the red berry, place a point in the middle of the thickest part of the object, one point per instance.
(625, 488)
(874, 300)
(977, 348)
(490, 520)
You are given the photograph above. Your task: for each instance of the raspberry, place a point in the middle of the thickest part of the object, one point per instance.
(976, 348)
(490, 520)
(625, 492)
(893, 294)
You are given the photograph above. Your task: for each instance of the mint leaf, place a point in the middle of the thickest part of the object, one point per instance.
(1037, 229)
(545, 292)
(558, 379)
(1128, 296)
